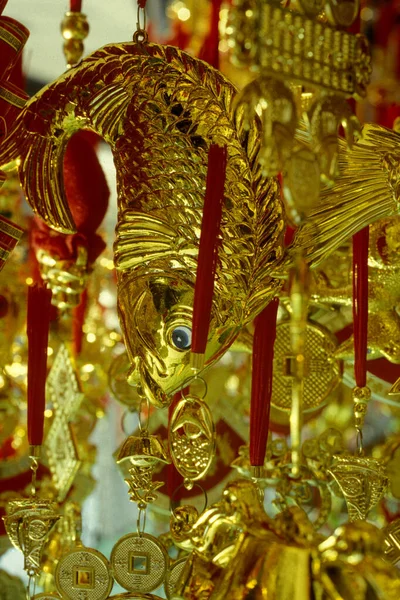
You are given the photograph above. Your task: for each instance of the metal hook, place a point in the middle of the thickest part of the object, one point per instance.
(140, 36)
(174, 504)
(360, 446)
(141, 521)
(143, 426)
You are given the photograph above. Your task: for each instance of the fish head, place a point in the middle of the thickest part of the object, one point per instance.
(156, 319)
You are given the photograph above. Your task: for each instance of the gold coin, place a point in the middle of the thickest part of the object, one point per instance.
(83, 574)
(173, 574)
(135, 596)
(139, 562)
(322, 369)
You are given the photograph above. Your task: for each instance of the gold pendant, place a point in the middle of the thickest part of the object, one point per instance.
(145, 452)
(28, 523)
(139, 562)
(321, 368)
(192, 439)
(83, 574)
(362, 482)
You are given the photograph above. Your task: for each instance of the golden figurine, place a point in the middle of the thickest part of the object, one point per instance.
(160, 152)
(239, 553)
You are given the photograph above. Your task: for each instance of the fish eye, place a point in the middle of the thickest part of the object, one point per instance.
(181, 337)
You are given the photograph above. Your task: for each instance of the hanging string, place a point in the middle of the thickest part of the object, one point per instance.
(38, 318)
(261, 382)
(208, 249)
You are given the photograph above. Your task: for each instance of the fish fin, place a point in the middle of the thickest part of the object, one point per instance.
(366, 191)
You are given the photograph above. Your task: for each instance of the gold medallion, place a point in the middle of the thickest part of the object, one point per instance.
(321, 369)
(139, 562)
(83, 574)
(192, 438)
(172, 576)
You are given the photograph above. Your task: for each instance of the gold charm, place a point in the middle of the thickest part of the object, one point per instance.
(362, 482)
(63, 390)
(28, 523)
(139, 562)
(173, 574)
(46, 597)
(321, 368)
(192, 438)
(145, 452)
(391, 547)
(83, 574)
(62, 385)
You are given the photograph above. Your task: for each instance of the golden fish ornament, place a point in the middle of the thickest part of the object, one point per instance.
(160, 109)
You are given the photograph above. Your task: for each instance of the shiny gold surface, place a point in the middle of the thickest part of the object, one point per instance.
(186, 107)
(192, 438)
(362, 482)
(83, 573)
(28, 524)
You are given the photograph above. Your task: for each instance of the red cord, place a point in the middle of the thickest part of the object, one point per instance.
(208, 248)
(75, 5)
(261, 381)
(141, 3)
(38, 318)
(360, 305)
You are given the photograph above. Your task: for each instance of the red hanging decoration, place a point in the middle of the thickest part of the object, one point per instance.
(141, 3)
(261, 383)
(360, 304)
(208, 248)
(75, 5)
(38, 318)
(209, 51)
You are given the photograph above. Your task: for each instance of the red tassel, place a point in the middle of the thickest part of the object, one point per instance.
(208, 248)
(38, 318)
(209, 51)
(360, 304)
(261, 382)
(75, 5)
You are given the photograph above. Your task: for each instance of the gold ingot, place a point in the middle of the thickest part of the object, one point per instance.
(143, 450)
(362, 482)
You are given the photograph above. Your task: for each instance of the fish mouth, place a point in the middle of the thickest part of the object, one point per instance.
(139, 377)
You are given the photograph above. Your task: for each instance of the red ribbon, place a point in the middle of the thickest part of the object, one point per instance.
(360, 305)
(261, 381)
(209, 51)
(75, 5)
(38, 318)
(208, 248)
